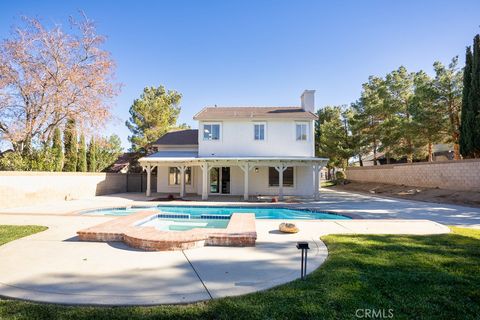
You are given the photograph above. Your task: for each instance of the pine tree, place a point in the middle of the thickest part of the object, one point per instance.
(91, 156)
(82, 155)
(57, 150)
(152, 115)
(70, 144)
(474, 94)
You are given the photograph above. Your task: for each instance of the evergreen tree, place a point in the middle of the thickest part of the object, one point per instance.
(333, 136)
(91, 156)
(430, 118)
(82, 155)
(448, 85)
(108, 149)
(475, 96)
(152, 115)
(468, 118)
(57, 150)
(70, 145)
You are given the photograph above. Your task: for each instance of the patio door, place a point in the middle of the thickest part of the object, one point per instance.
(220, 180)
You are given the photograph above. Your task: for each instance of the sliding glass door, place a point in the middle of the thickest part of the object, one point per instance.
(220, 180)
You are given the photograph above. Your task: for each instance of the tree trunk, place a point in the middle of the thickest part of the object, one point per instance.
(374, 152)
(410, 151)
(456, 152)
(430, 152)
(360, 160)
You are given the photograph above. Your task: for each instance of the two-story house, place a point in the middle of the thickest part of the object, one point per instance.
(241, 151)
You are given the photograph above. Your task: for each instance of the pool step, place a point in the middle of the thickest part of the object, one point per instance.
(215, 216)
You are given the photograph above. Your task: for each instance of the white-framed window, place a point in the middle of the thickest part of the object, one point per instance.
(174, 176)
(301, 131)
(211, 131)
(274, 177)
(259, 131)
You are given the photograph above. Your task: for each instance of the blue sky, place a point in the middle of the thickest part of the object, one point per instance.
(261, 52)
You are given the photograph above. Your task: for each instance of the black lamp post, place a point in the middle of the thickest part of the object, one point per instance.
(302, 245)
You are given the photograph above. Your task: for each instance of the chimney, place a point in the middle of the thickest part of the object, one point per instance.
(308, 100)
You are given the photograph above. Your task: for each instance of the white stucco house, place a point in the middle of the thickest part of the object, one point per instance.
(241, 151)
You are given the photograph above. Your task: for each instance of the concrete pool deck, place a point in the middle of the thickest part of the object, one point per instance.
(53, 266)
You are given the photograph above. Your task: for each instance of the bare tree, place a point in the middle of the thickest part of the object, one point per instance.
(48, 76)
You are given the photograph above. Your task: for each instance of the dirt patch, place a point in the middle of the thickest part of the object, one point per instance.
(466, 198)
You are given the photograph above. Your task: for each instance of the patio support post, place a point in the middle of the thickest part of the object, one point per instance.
(148, 168)
(316, 170)
(280, 170)
(182, 180)
(205, 170)
(245, 168)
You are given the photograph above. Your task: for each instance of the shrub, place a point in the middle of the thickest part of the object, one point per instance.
(340, 176)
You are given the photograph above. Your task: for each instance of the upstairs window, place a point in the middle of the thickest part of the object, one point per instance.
(302, 131)
(211, 132)
(174, 176)
(273, 177)
(259, 131)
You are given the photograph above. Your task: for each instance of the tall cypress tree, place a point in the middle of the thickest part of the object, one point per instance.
(57, 150)
(467, 122)
(82, 155)
(91, 156)
(70, 145)
(475, 97)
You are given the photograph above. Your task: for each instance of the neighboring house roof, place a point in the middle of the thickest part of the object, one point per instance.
(122, 162)
(223, 113)
(181, 137)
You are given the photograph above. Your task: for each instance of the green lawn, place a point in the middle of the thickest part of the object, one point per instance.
(10, 233)
(417, 277)
(326, 184)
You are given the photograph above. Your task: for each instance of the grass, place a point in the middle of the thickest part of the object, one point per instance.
(417, 277)
(10, 233)
(328, 183)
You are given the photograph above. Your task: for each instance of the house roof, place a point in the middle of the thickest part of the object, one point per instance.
(173, 154)
(192, 157)
(181, 137)
(122, 161)
(222, 113)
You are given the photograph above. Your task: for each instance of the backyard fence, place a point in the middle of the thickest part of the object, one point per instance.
(452, 175)
(137, 182)
(20, 188)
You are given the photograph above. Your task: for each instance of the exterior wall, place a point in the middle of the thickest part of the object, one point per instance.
(18, 188)
(164, 187)
(258, 182)
(236, 139)
(452, 175)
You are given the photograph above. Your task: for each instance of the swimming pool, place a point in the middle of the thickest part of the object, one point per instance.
(219, 212)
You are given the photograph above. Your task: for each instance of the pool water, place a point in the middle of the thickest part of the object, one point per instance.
(223, 212)
(164, 224)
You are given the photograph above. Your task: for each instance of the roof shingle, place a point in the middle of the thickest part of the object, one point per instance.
(223, 113)
(181, 137)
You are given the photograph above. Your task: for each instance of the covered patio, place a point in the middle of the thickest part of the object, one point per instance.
(183, 160)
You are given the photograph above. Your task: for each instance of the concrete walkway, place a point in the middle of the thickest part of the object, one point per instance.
(53, 266)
